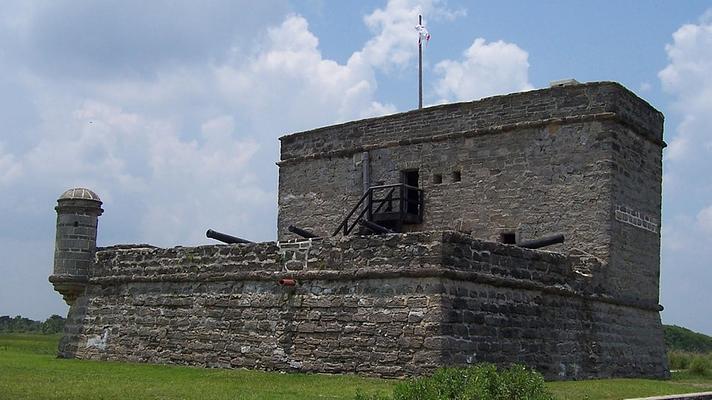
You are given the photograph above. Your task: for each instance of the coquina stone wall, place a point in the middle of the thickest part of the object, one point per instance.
(584, 160)
(388, 305)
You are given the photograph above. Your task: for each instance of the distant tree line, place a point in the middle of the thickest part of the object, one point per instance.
(678, 338)
(18, 324)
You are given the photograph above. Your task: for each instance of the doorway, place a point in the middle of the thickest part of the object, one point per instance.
(411, 178)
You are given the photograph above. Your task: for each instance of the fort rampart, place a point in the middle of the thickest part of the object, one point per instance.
(387, 305)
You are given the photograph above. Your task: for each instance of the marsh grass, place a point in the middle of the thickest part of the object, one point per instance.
(692, 363)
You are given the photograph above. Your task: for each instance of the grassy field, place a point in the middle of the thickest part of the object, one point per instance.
(605, 389)
(29, 370)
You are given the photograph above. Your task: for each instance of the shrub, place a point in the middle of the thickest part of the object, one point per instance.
(701, 365)
(479, 382)
(53, 324)
(679, 359)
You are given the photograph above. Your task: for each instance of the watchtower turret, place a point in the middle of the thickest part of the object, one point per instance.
(78, 212)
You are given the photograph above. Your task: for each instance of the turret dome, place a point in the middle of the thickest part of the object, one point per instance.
(79, 193)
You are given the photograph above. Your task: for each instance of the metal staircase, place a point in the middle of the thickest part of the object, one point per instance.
(385, 206)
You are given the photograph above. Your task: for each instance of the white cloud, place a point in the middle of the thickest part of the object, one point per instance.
(10, 169)
(191, 146)
(677, 148)
(687, 222)
(171, 183)
(174, 142)
(89, 40)
(291, 78)
(486, 69)
(687, 77)
(147, 143)
(704, 219)
(674, 238)
(688, 157)
(393, 44)
(203, 182)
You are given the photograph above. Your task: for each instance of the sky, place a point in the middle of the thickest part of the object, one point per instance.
(171, 110)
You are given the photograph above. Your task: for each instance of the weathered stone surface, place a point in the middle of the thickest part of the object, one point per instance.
(459, 301)
(563, 159)
(78, 211)
(584, 160)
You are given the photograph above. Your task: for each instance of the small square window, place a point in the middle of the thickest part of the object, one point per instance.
(437, 179)
(508, 238)
(456, 176)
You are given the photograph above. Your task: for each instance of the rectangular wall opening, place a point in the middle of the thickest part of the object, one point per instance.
(456, 176)
(508, 238)
(411, 178)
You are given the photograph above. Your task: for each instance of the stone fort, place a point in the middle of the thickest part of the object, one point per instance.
(405, 243)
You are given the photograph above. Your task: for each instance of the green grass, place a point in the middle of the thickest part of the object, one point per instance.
(29, 370)
(612, 389)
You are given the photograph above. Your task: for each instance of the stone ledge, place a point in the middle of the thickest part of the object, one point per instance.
(603, 99)
(491, 130)
(510, 98)
(66, 278)
(364, 274)
(126, 247)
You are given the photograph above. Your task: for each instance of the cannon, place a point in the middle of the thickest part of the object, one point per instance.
(542, 241)
(225, 238)
(379, 229)
(302, 232)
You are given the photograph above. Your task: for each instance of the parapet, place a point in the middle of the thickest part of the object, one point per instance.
(385, 305)
(587, 101)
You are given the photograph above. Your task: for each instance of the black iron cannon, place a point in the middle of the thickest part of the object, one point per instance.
(302, 232)
(225, 238)
(542, 241)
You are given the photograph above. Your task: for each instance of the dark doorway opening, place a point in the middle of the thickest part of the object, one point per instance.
(411, 178)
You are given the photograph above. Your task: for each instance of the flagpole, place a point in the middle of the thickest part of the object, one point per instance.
(420, 65)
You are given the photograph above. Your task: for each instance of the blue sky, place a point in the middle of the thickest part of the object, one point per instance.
(171, 110)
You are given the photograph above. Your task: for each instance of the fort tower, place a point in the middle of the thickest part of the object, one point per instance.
(78, 212)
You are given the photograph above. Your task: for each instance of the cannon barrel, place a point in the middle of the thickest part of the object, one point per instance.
(302, 232)
(542, 241)
(225, 238)
(375, 227)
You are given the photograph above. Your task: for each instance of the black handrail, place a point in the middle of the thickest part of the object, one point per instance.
(388, 198)
(367, 201)
(345, 221)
